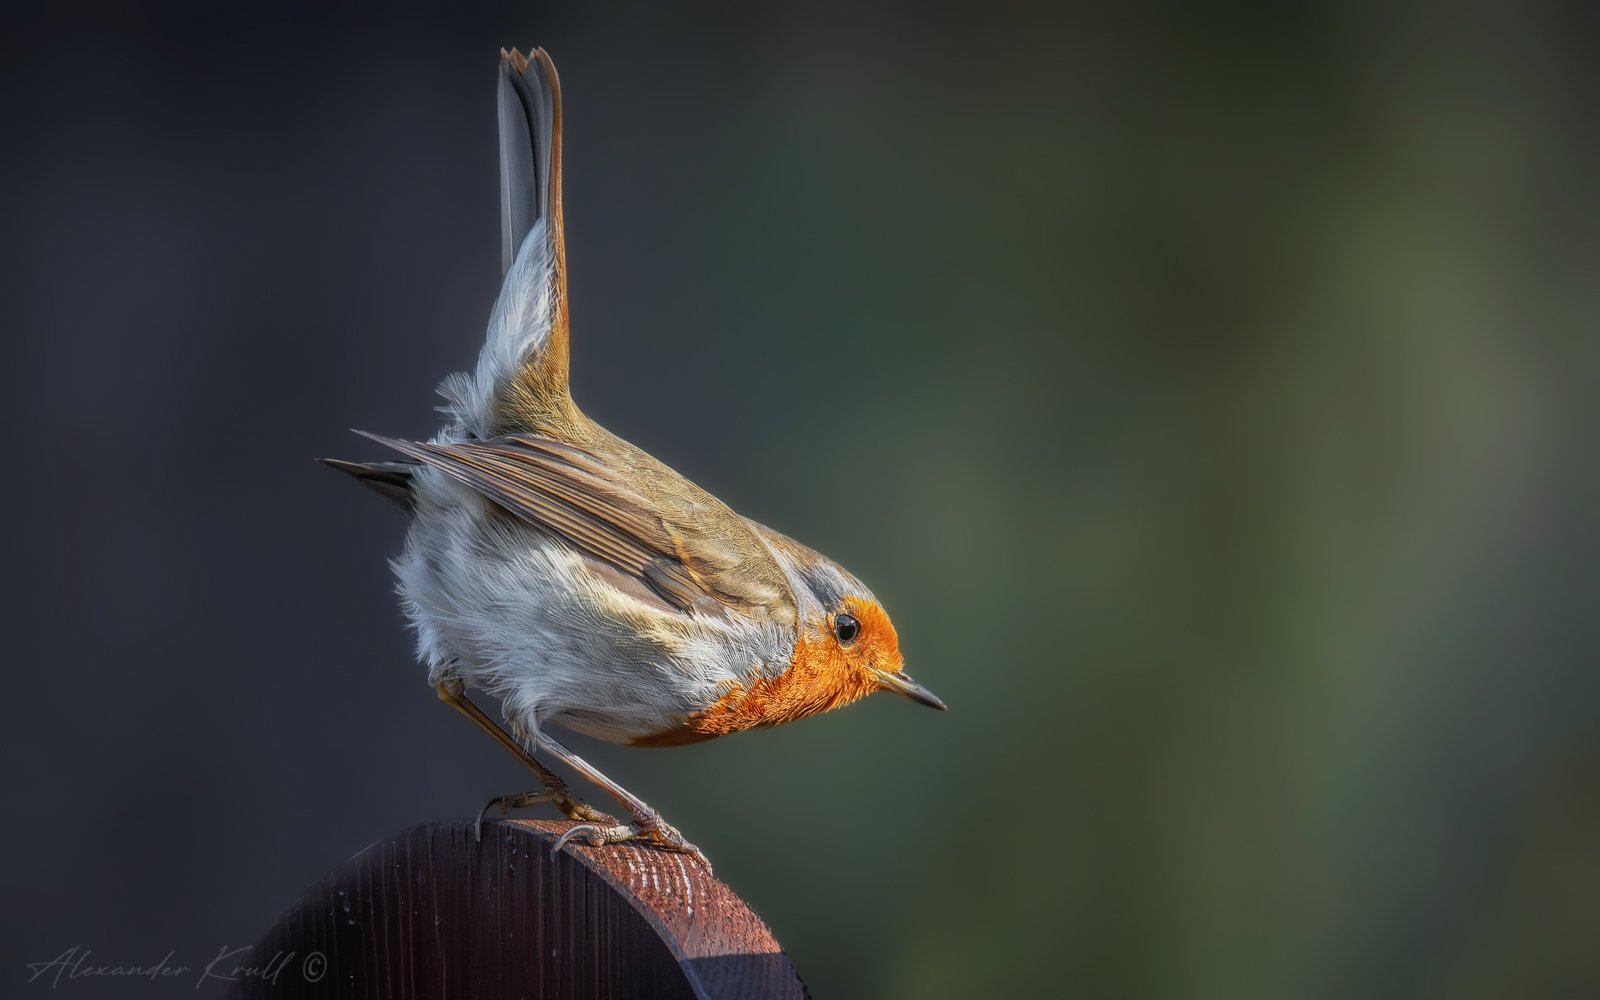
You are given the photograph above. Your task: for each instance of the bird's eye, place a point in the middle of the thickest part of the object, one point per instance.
(845, 628)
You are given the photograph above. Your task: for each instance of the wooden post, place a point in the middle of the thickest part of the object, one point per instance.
(434, 913)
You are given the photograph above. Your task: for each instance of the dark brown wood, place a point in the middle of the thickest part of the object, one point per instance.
(434, 913)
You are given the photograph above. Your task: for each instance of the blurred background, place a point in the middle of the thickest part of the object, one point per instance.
(1210, 395)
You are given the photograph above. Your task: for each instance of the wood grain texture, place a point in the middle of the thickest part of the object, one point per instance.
(433, 913)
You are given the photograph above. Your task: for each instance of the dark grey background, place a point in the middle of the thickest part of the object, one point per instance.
(1210, 397)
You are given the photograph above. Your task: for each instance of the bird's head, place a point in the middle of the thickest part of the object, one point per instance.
(845, 648)
(845, 642)
(852, 636)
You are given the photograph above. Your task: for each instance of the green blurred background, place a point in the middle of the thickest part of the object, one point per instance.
(1209, 394)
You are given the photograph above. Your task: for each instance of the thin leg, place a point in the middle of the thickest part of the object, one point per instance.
(453, 693)
(647, 823)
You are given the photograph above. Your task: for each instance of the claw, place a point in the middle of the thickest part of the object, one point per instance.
(579, 809)
(658, 834)
(592, 835)
(573, 808)
(506, 804)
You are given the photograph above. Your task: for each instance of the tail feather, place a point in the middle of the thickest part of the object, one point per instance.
(521, 376)
(527, 149)
(520, 381)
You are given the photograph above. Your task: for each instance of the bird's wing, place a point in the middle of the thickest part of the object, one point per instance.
(676, 539)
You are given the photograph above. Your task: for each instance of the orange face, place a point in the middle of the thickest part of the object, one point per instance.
(850, 655)
(858, 638)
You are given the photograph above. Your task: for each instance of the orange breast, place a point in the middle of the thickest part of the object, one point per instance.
(821, 677)
(816, 681)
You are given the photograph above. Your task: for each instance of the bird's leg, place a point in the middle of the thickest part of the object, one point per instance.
(453, 693)
(647, 823)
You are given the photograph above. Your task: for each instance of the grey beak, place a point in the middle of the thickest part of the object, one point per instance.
(905, 687)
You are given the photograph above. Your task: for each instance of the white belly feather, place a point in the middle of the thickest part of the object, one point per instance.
(521, 615)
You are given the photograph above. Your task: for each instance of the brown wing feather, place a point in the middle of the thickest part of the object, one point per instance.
(690, 549)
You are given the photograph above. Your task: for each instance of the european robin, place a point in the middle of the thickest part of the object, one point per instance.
(577, 579)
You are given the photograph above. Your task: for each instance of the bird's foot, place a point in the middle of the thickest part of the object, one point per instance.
(571, 807)
(651, 829)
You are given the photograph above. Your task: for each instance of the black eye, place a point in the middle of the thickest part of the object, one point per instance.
(846, 628)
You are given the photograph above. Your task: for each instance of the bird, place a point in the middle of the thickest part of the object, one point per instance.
(580, 581)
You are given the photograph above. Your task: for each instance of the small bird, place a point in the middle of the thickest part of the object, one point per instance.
(580, 581)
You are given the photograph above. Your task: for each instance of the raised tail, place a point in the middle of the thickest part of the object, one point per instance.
(521, 377)
(530, 148)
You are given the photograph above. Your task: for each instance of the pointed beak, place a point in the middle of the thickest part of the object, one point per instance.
(905, 687)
